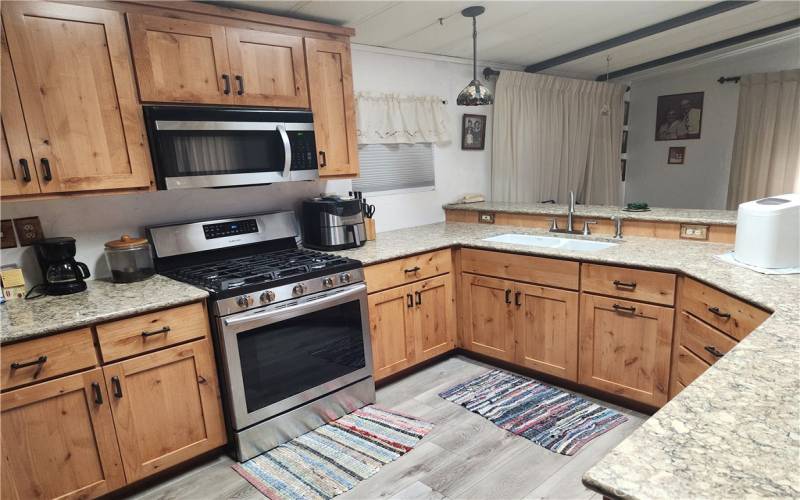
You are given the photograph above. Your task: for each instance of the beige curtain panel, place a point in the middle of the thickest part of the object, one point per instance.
(554, 135)
(766, 147)
(399, 119)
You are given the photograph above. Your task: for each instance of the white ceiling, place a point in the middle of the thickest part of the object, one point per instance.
(525, 32)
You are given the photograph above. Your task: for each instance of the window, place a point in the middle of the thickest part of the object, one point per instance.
(387, 168)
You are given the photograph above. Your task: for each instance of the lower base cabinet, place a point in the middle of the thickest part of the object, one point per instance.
(488, 316)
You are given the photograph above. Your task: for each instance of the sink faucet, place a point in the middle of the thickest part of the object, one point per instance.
(617, 227)
(571, 212)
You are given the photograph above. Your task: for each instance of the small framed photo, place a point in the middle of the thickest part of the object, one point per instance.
(473, 132)
(676, 155)
(679, 116)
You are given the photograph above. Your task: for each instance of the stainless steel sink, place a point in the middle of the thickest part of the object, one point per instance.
(551, 242)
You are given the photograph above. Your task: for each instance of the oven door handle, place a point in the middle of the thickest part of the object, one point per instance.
(287, 150)
(249, 321)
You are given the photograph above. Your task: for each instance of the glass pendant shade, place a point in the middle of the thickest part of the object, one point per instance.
(475, 94)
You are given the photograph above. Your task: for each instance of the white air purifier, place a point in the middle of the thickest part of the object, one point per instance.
(768, 232)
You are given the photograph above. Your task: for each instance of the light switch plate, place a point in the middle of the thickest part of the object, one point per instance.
(486, 218)
(29, 230)
(8, 238)
(694, 232)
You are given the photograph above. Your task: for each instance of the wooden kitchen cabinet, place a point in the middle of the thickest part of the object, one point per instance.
(488, 316)
(434, 311)
(166, 407)
(624, 348)
(73, 72)
(58, 440)
(330, 81)
(391, 326)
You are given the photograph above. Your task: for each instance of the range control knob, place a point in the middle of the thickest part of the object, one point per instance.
(267, 297)
(244, 301)
(327, 282)
(345, 277)
(299, 289)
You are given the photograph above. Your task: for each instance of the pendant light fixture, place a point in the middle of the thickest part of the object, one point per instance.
(475, 93)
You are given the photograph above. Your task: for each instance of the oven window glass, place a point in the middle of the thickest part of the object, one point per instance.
(188, 153)
(286, 358)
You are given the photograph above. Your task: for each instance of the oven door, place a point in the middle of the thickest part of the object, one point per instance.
(282, 356)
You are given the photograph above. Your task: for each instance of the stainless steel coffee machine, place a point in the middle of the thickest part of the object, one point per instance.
(333, 223)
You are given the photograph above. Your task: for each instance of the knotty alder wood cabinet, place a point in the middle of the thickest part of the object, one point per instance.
(85, 434)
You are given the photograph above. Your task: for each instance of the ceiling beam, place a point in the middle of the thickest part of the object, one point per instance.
(745, 37)
(675, 22)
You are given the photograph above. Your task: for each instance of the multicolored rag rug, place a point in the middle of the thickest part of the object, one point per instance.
(557, 420)
(332, 459)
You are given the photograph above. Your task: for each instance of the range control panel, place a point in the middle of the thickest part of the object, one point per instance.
(231, 228)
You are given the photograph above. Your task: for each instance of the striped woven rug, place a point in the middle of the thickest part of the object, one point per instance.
(557, 420)
(332, 459)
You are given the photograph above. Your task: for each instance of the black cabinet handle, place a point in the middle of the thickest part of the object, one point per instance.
(411, 270)
(409, 300)
(517, 296)
(620, 308)
(146, 334)
(227, 80)
(715, 310)
(323, 161)
(39, 362)
(508, 296)
(240, 81)
(26, 172)
(419, 298)
(624, 284)
(98, 394)
(48, 174)
(116, 387)
(714, 352)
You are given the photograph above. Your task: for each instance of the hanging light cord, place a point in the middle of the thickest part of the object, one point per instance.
(474, 48)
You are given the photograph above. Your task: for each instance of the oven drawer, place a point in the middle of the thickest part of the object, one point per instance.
(148, 332)
(47, 357)
(627, 283)
(401, 271)
(720, 310)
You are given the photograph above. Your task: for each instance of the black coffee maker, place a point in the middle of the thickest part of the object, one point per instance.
(62, 274)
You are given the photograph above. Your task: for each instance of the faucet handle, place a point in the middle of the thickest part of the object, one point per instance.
(553, 224)
(586, 223)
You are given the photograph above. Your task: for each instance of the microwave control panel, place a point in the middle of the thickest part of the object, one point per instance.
(231, 228)
(303, 151)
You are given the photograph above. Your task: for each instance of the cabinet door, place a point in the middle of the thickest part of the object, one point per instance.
(434, 310)
(58, 440)
(330, 82)
(391, 326)
(625, 348)
(180, 61)
(546, 333)
(488, 316)
(17, 169)
(76, 84)
(166, 407)
(268, 69)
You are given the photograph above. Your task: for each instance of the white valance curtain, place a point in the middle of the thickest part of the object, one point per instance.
(766, 147)
(554, 135)
(398, 119)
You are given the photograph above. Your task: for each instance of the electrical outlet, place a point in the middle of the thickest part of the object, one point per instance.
(7, 237)
(694, 232)
(486, 218)
(29, 230)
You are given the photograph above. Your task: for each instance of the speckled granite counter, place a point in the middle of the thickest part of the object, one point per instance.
(678, 215)
(102, 301)
(735, 431)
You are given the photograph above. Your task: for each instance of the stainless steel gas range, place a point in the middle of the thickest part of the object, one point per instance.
(290, 324)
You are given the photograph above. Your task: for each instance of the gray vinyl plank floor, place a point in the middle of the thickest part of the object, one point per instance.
(464, 457)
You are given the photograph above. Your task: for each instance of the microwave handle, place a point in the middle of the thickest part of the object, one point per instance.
(287, 150)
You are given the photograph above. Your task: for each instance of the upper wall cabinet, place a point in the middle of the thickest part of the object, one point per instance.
(191, 62)
(75, 81)
(330, 79)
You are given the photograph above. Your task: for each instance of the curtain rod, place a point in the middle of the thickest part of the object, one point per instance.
(725, 79)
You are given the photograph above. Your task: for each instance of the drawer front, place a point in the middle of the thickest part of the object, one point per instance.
(148, 332)
(636, 284)
(689, 366)
(706, 342)
(407, 270)
(731, 315)
(537, 270)
(47, 357)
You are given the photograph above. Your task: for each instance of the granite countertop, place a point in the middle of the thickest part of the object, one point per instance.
(679, 215)
(735, 431)
(102, 301)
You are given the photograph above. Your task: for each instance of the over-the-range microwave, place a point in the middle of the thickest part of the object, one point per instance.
(212, 147)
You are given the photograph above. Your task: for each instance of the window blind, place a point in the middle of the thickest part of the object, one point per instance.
(392, 167)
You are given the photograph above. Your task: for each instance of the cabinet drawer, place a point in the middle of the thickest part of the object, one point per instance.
(47, 357)
(706, 342)
(689, 367)
(131, 336)
(732, 316)
(636, 284)
(538, 270)
(401, 271)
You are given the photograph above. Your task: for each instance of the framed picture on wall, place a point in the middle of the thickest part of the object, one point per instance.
(679, 116)
(677, 155)
(473, 132)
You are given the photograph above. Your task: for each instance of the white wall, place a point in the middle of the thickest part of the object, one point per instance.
(702, 181)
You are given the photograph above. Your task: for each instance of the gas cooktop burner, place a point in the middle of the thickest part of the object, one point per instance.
(256, 269)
